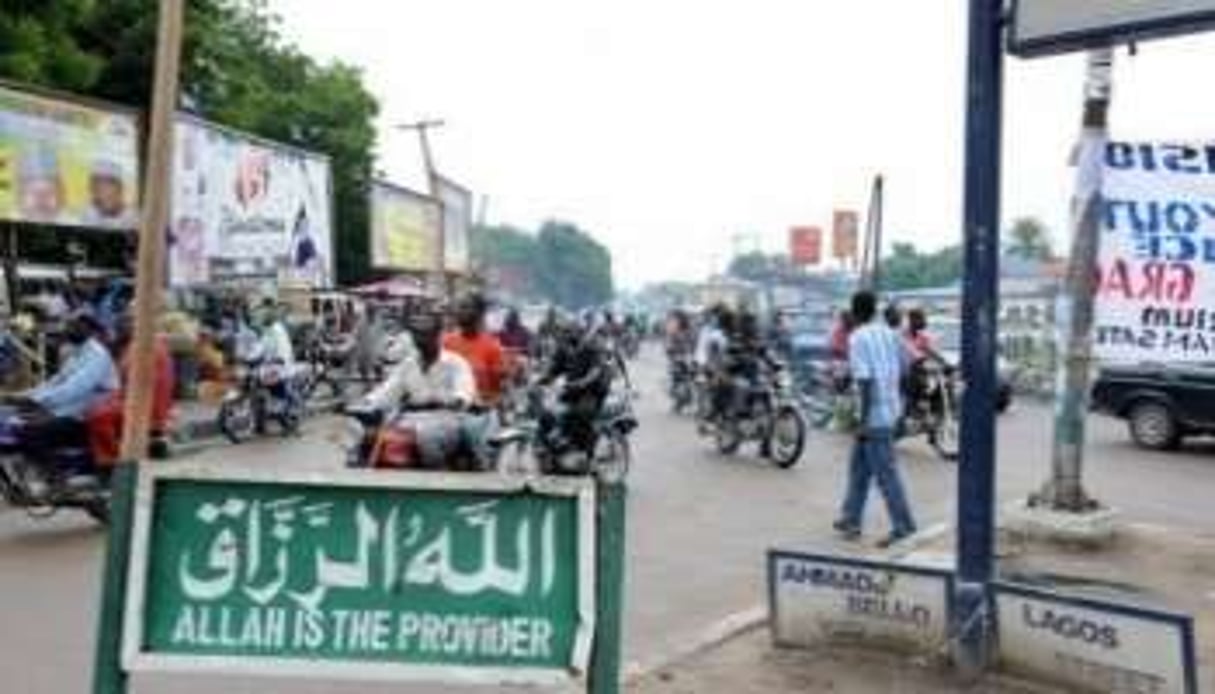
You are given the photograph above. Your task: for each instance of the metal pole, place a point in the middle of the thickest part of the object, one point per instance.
(981, 215)
(876, 210)
(1065, 490)
(148, 285)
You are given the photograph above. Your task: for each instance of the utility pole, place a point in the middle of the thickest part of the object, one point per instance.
(137, 409)
(973, 623)
(432, 182)
(1065, 490)
(871, 252)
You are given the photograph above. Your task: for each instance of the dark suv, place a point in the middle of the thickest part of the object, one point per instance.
(1161, 403)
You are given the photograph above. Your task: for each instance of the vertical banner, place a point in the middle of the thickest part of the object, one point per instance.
(245, 207)
(457, 219)
(405, 229)
(62, 162)
(843, 235)
(806, 245)
(1156, 273)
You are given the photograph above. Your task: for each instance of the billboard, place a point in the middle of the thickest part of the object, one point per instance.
(405, 229)
(806, 245)
(67, 163)
(1056, 26)
(457, 219)
(247, 208)
(1156, 268)
(843, 234)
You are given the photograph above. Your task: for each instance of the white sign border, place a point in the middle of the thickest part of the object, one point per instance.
(134, 659)
(775, 555)
(1184, 623)
(1127, 32)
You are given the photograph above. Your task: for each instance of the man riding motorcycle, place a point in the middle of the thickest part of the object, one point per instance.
(430, 382)
(581, 361)
(84, 381)
(480, 348)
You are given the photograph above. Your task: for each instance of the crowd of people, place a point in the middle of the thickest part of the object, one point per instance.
(878, 360)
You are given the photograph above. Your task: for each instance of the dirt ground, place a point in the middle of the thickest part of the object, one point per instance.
(1153, 566)
(748, 664)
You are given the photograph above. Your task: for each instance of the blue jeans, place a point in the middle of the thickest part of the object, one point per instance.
(873, 459)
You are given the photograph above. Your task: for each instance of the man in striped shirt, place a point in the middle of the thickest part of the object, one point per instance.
(877, 359)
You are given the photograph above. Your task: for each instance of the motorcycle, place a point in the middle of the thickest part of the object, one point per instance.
(328, 359)
(422, 438)
(764, 411)
(608, 457)
(681, 382)
(933, 410)
(266, 390)
(68, 480)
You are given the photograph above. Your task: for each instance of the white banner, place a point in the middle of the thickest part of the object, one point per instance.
(1055, 26)
(457, 218)
(1156, 290)
(244, 207)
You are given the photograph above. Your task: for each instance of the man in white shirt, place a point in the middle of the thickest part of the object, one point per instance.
(427, 375)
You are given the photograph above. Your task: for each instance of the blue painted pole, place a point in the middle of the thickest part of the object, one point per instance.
(980, 299)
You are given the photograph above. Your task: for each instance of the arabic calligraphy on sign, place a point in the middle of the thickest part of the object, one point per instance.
(285, 548)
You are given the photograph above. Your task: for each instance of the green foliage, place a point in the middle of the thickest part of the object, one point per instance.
(236, 70)
(1029, 239)
(907, 268)
(561, 264)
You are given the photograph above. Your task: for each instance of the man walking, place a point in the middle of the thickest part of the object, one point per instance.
(877, 360)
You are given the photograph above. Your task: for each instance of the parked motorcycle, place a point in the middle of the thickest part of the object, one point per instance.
(68, 480)
(265, 390)
(932, 411)
(763, 411)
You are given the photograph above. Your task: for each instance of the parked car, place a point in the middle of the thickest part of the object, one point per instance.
(1162, 403)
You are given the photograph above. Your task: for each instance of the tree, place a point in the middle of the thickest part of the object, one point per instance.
(236, 70)
(561, 264)
(907, 268)
(1029, 239)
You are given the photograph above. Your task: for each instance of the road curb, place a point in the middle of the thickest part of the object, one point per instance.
(723, 630)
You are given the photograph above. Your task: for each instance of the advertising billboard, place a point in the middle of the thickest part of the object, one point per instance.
(843, 235)
(66, 163)
(806, 245)
(243, 207)
(405, 229)
(457, 219)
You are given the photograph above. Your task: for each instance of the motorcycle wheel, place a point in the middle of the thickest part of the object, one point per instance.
(943, 437)
(681, 397)
(237, 419)
(614, 466)
(728, 439)
(788, 437)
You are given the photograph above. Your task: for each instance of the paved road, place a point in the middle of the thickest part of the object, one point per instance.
(698, 526)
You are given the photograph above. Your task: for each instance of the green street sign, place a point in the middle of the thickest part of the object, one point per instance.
(362, 575)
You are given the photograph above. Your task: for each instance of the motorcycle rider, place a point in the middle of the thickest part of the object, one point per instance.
(921, 351)
(480, 348)
(105, 419)
(580, 359)
(85, 380)
(428, 375)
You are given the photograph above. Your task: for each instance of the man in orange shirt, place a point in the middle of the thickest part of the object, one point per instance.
(104, 421)
(480, 348)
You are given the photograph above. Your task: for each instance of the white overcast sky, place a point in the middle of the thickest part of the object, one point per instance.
(666, 127)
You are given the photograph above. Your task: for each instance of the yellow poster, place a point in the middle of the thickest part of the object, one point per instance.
(405, 228)
(66, 163)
